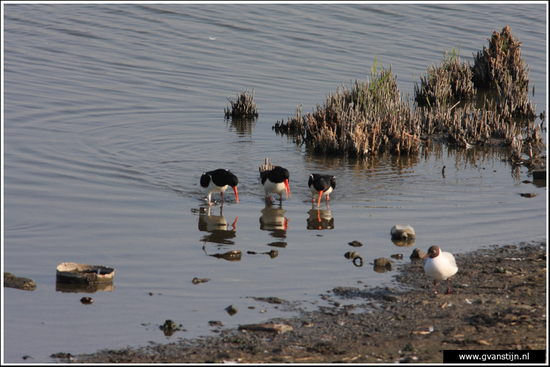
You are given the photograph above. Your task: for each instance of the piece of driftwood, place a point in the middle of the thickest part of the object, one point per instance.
(12, 281)
(277, 328)
(265, 167)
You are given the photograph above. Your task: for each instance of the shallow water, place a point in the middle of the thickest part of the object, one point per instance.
(112, 112)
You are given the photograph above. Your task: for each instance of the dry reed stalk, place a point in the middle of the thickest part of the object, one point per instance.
(267, 166)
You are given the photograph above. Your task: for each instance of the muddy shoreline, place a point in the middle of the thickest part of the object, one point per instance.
(499, 303)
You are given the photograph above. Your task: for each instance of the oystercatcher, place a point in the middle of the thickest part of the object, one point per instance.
(440, 266)
(217, 181)
(321, 185)
(275, 181)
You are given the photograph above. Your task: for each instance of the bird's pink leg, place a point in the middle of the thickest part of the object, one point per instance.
(448, 288)
(435, 286)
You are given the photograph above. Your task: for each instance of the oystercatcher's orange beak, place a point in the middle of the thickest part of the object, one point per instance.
(236, 195)
(320, 194)
(287, 189)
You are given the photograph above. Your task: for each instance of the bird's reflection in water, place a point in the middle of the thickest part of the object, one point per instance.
(219, 230)
(320, 219)
(273, 220)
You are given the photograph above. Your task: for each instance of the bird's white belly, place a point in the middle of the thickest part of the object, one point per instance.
(276, 188)
(315, 192)
(213, 188)
(440, 268)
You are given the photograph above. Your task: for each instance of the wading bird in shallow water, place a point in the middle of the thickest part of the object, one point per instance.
(321, 185)
(275, 181)
(217, 181)
(440, 265)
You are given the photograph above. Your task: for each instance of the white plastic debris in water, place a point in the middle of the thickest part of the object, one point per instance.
(84, 273)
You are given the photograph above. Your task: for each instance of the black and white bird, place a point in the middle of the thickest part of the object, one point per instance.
(217, 181)
(275, 181)
(440, 265)
(321, 185)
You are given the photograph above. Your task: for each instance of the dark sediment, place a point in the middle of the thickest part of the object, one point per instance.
(499, 303)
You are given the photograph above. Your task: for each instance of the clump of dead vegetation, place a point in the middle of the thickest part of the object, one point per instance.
(446, 84)
(361, 119)
(243, 107)
(501, 68)
(499, 79)
(464, 105)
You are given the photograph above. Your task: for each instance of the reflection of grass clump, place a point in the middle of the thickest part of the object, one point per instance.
(243, 107)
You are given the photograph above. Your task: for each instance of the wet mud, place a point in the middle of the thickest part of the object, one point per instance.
(499, 303)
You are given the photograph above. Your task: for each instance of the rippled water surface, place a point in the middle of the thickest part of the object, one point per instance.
(113, 111)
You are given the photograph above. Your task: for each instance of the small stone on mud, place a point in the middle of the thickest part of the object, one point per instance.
(87, 300)
(383, 263)
(197, 280)
(417, 254)
(169, 325)
(231, 310)
(402, 231)
(351, 255)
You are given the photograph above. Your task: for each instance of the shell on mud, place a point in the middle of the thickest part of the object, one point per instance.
(84, 273)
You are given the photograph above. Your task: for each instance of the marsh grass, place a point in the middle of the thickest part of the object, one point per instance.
(446, 84)
(357, 120)
(372, 117)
